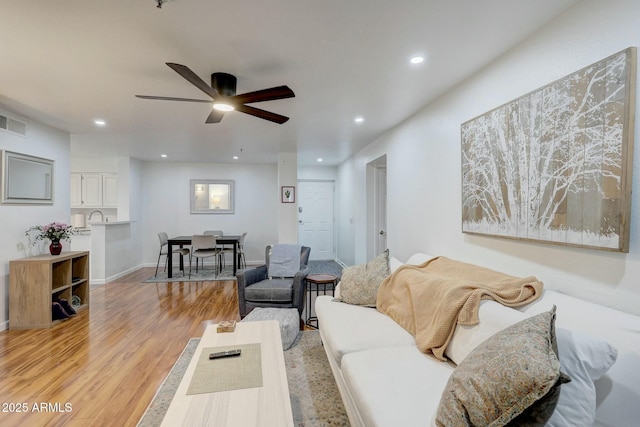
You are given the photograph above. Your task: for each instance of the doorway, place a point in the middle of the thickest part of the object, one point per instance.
(316, 224)
(376, 206)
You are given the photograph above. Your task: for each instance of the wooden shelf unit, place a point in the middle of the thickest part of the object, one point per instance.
(36, 282)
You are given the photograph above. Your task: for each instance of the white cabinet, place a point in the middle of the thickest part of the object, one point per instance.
(110, 191)
(94, 190)
(76, 190)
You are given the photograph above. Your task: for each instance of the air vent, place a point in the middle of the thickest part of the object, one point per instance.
(12, 125)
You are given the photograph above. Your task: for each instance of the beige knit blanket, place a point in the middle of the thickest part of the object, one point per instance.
(428, 300)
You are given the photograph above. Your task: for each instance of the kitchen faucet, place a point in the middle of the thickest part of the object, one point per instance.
(97, 211)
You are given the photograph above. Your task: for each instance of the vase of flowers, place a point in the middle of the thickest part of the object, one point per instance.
(53, 232)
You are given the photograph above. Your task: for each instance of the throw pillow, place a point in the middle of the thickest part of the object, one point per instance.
(359, 283)
(584, 359)
(512, 378)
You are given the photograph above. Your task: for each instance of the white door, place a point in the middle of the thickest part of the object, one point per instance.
(316, 218)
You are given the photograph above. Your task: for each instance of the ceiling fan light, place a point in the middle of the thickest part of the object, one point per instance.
(221, 106)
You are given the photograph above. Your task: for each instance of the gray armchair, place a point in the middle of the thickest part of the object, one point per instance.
(257, 289)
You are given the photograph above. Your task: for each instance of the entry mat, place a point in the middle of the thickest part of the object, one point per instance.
(228, 373)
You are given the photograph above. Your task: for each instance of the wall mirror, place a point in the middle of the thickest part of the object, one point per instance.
(26, 179)
(212, 196)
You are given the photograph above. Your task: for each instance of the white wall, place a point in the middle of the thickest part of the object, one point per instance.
(165, 204)
(423, 166)
(41, 141)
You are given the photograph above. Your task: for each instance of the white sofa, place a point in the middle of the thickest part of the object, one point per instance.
(384, 380)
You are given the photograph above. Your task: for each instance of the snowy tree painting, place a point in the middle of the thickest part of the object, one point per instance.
(555, 164)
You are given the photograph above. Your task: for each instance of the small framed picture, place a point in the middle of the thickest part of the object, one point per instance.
(288, 194)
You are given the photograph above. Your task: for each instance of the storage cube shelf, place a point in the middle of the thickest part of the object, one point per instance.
(36, 282)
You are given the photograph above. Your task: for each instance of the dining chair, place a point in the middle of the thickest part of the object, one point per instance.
(222, 248)
(164, 241)
(204, 246)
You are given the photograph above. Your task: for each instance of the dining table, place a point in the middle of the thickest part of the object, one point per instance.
(181, 241)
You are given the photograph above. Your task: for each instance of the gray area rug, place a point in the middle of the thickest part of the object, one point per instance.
(315, 400)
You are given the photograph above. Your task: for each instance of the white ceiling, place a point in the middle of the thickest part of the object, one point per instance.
(68, 62)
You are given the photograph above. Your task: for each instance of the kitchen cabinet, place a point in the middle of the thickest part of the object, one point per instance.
(94, 190)
(109, 190)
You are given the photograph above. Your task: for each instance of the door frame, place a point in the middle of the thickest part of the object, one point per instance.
(374, 200)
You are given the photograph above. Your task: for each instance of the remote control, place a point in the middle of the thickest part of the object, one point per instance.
(221, 354)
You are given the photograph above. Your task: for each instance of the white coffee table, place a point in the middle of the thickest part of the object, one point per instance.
(266, 406)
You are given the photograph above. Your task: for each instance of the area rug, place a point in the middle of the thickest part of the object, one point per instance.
(315, 400)
(202, 275)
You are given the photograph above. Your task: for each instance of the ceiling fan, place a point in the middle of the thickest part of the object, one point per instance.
(223, 95)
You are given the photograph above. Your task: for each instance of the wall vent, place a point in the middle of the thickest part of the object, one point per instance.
(12, 125)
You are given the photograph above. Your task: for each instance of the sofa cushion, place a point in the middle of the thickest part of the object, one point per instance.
(352, 328)
(493, 316)
(359, 283)
(514, 373)
(419, 258)
(397, 386)
(270, 290)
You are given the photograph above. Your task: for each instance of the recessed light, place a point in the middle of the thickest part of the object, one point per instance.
(99, 122)
(319, 159)
(359, 119)
(418, 59)
(163, 156)
(235, 157)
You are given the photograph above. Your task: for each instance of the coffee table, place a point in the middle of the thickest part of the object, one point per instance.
(266, 406)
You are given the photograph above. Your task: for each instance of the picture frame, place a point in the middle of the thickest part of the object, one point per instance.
(26, 180)
(555, 164)
(288, 194)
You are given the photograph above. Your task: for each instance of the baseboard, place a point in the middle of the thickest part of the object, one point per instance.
(4, 325)
(340, 263)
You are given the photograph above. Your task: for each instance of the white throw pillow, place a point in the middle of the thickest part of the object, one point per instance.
(394, 264)
(584, 359)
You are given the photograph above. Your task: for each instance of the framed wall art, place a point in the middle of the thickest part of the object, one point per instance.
(288, 194)
(555, 164)
(26, 180)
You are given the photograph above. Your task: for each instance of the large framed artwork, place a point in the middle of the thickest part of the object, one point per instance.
(555, 164)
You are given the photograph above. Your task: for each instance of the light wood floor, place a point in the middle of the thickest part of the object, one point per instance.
(103, 366)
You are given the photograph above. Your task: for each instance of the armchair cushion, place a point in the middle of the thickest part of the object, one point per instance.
(270, 290)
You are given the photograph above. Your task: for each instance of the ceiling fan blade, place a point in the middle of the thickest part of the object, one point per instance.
(215, 116)
(278, 92)
(267, 115)
(168, 98)
(193, 78)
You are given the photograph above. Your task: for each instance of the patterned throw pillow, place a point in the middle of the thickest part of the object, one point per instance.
(513, 378)
(359, 283)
